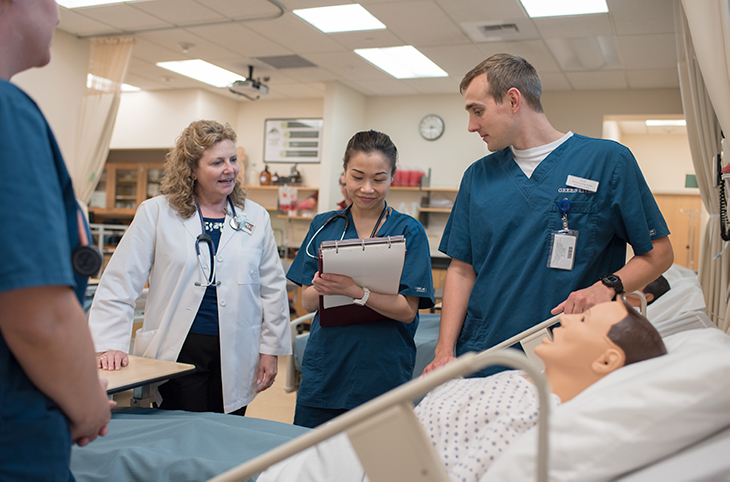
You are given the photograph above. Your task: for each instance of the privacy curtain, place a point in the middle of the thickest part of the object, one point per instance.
(703, 39)
(108, 62)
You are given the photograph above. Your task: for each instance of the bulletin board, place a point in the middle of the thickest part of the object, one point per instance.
(293, 140)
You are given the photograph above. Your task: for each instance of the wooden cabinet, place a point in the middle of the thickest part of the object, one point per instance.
(123, 186)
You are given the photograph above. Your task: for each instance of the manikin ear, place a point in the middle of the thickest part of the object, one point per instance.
(649, 297)
(611, 359)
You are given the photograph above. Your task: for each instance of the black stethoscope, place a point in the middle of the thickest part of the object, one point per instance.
(236, 223)
(344, 214)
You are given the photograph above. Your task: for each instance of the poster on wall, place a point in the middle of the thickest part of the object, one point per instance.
(293, 140)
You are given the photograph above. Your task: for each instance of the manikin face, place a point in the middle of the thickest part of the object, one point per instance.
(368, 178)
(581, 338)
(492, 121)
(217, 171)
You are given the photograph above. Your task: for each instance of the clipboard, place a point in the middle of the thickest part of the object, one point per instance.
(374, 263)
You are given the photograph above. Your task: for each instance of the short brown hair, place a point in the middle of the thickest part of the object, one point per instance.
(178, 184)
(505, 71)
(636, 336)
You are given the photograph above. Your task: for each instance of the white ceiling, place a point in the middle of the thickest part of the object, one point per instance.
(631, 47)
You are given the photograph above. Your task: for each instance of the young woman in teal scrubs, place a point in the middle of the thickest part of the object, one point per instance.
(345, 366)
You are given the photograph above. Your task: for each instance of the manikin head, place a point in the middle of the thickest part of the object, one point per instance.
(589, 346)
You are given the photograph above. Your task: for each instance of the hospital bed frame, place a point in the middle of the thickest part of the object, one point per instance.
(387, 436)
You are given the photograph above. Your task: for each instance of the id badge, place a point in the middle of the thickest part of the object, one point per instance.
(562, 249)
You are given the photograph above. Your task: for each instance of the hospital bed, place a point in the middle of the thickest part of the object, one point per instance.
(643, 420)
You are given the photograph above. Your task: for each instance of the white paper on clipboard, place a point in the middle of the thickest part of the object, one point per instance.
(375, 263)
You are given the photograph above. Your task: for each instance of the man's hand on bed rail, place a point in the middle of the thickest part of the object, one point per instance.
(579, 301)
(112, 360)
(268, 368)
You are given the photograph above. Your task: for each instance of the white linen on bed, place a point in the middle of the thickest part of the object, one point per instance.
(682, 307)
(635, 415)
(471, 422)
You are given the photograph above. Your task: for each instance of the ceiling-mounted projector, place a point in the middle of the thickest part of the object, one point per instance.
(250, 88)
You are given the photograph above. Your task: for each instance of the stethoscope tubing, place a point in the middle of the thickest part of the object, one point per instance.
(345, 215)
(206, 239)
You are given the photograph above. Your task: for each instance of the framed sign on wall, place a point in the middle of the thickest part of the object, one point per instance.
(293, 140)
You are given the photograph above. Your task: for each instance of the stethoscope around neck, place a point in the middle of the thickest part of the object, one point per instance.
(236, 223)
(344, 214)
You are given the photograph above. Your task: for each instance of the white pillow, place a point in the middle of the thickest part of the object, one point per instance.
(684, 295)
(634, 416)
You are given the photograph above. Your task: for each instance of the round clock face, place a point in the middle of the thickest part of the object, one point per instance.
(431, 127)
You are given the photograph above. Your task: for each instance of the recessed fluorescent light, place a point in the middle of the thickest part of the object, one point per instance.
(340, 18)
(87, 3)
(130, 88)
(203, 71)
(666, 123)
(555, 8)
(402, 62)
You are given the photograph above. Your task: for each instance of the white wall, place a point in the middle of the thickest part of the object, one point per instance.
(664, 160)
(59, 87)
(250, 129)
(148, 120)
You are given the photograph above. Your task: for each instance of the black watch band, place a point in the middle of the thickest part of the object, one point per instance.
(613, 281)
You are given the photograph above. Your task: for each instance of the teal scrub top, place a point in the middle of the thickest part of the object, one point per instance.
(502, 222)
(345, 366)
(40, 215)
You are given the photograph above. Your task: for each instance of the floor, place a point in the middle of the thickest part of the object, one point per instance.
(275, 403)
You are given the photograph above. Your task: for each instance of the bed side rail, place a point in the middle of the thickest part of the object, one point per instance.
(425, 465)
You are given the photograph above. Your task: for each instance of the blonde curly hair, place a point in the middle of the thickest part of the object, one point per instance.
(178, 184)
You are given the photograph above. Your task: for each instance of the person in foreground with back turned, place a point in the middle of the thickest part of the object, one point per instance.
(217, 293)
(50, 393)
(472, 421)
(345, 366)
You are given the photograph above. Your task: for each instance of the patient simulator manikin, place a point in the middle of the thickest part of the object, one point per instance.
(472, 421)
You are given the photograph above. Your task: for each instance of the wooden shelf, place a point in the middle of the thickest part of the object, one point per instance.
(435, 210)
(276, 188)
(284, 216)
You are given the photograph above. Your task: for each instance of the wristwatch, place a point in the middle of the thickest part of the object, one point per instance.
(613, 281)
(364, 299)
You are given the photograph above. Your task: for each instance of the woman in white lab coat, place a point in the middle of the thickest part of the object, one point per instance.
(217, 292)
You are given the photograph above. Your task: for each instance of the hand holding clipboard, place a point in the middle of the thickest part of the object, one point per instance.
(374, 263)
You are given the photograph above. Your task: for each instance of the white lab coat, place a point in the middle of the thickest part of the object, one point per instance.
(253, 309)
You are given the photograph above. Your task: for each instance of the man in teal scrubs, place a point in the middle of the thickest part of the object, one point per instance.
(50, 394)
(542, 223)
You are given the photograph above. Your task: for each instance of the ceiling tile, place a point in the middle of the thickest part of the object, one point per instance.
(574, 26)
(240, 39)
(419, 23)
(534, 51)
(122, 16)
(383, 87)
(296, 35)
(474, 10)
(604, 80)
(648, 51)
(653, 79)
(178, 12)
(75, 24)
(632, 17)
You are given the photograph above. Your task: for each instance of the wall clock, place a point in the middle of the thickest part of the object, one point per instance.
(431, 127)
